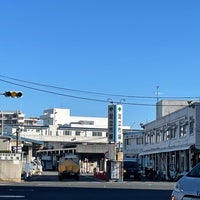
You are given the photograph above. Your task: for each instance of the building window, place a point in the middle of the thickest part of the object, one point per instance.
(128, 141)
(67, 133)
(46, 132)
(182, 130)
(151, 138)
(139, 140)
(158, 136)
(164, 135)
(147, 138)
(172, 133)
(96, 133)
(78, 133)
(191, 125)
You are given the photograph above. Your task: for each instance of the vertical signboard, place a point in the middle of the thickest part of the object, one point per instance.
(111, 109)
(118, 123)
(115, 116)
(115, 166)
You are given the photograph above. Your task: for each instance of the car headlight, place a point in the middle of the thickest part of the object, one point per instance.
(178, 187)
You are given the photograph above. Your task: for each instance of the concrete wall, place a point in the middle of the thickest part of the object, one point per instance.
(165, 107)
(10, 167)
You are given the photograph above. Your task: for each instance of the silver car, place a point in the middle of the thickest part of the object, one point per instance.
(188, 187)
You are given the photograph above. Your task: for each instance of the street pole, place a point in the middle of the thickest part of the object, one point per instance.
(17, 141)
(1, 123)
(17, 138)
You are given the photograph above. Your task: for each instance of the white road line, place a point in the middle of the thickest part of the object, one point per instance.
(21, 190)
(11, 196)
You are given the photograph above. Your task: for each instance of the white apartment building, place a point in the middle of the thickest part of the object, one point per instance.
(62, 133)
(59, 128)
(14, 118)
(172, 141)
(61, 116)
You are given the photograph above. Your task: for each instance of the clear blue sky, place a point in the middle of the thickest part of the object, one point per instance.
(125, 48)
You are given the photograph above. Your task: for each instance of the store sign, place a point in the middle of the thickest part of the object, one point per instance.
(115, 170)
(10, 156)
(111, 109)
(119, 123)
(115, 116)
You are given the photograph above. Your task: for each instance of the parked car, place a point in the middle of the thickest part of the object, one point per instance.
(131, 170)
(188, 186)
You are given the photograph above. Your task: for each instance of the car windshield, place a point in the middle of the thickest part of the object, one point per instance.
(195, 172)
(131, 165)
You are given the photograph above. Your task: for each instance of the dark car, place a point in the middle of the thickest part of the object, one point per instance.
(131, 170)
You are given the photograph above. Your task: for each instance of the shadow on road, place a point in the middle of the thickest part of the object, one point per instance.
(77, 193)
(52, 176)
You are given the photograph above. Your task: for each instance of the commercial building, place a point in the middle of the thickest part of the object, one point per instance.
(171, 143)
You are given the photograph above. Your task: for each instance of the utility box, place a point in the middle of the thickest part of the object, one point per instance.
(114, 171)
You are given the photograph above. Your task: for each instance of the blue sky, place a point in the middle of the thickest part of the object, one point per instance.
(111, 47)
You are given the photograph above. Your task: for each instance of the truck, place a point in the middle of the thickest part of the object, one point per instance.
(68, 167)
(131, 169)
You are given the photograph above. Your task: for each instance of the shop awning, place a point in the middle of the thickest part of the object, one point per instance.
(163, 150)
(31, 140)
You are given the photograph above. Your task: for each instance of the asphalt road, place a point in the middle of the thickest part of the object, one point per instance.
(48, 186)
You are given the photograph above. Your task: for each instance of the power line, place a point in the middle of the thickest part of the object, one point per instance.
(98, 93)
(71, 96)
(74, 96)
(50, 92)
(75, 90)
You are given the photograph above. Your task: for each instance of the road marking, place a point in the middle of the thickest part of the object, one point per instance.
(21, 190)
(11, 196)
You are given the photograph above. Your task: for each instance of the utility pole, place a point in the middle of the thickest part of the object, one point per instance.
(1, 123)
(157, 92)
(17, 138)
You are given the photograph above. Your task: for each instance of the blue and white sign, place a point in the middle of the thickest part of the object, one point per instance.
(115, 123)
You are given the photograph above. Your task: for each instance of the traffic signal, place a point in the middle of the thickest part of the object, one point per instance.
(13, 94)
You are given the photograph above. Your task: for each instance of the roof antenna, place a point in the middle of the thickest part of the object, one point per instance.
(157, 93)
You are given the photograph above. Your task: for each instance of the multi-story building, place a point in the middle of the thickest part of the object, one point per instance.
(60, 128)
(60, 131)
(15, 118)
(172, 141)
(133, 143)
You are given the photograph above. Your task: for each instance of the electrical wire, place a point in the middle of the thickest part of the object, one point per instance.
(98, 93)
(50, 92)
(88, 92)
(75, 90)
